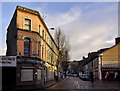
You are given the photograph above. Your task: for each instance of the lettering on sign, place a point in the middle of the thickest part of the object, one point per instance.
(8, 61)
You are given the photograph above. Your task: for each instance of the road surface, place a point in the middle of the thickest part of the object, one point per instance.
(77, 83)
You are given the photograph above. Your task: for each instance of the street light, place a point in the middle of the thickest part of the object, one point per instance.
(52, 28)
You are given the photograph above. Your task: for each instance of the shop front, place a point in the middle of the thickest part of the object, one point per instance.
(111, 74)
(29, 73)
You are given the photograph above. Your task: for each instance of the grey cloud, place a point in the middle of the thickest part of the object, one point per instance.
(87, 31)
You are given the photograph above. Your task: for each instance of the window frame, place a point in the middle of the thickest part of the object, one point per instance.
(28, 39)
(39, 29)
(43, 34)
(28, 25)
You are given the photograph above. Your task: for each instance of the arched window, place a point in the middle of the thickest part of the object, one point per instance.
(27, 46)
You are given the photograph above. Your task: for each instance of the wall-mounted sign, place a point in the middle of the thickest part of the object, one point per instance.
(8, 61)
(110, 64)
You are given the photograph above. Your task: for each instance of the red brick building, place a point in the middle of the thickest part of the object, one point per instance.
(29, 39)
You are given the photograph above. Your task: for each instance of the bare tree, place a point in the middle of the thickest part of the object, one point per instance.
(63, 47)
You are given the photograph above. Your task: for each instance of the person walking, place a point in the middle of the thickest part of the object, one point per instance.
(91, 77)
(116, 75)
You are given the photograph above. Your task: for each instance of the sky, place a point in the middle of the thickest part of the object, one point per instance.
(89, 26)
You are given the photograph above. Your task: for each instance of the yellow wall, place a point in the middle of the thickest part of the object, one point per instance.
(111, 57)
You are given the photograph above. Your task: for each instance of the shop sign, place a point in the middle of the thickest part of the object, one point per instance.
(8, 61)
(110, 64)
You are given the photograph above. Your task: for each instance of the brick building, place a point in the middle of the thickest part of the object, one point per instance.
(29, 39)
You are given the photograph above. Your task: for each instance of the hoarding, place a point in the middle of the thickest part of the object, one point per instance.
(8, 61)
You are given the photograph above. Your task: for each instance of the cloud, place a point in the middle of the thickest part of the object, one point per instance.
(110, 41)
(88, 31)
(3, 51)
(61, 19)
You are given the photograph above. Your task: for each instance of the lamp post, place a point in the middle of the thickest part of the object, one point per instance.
(99, 67)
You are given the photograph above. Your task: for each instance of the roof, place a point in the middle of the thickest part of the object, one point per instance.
(36, 13)
(106, 49)
(93, 55)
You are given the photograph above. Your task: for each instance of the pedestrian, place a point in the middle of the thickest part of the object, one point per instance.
(106, 74)
(115, 75)
(91, 77)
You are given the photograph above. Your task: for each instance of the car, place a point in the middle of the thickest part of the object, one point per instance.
(75, 75)
(84, 77)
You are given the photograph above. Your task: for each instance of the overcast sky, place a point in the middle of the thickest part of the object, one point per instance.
(89, 26)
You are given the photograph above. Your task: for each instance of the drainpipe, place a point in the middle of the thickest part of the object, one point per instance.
(99, 67)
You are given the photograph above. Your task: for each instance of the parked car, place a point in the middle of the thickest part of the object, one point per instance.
(75, 75)
(84, 77)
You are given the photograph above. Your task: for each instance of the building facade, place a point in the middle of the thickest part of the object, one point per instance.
(109, 64)
(104, 63)
(29, 39)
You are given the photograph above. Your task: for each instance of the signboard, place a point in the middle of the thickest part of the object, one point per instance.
(8, 61)
(110, 64)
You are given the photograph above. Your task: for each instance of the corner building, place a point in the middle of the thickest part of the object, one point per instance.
(29, 39)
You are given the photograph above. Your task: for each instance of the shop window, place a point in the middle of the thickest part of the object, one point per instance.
(39, 74)
(27, 24)
(27, 46)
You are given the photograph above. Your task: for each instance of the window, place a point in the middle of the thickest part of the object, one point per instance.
(51, 58)
(43, 34)
(42, 52)
(39, 49)
(27, 46)
(39, 29)
(27, 24)
(47, 55)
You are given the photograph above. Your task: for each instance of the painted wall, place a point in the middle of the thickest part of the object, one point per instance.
(111, 57)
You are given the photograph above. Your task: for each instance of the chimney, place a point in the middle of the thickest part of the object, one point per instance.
(89, 54)
(83, 57)
(117, 40)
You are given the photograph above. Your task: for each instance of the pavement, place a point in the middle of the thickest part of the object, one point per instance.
(47, 85)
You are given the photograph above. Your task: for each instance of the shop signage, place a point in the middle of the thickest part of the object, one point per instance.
(110, 64)
(8, 61)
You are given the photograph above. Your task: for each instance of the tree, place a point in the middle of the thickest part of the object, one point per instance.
(63, 47)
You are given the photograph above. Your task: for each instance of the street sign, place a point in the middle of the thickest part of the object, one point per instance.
(8, 61)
